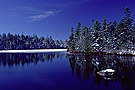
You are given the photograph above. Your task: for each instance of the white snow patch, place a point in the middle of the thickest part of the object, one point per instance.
(108, 70)
(97, 63)
(104, 72)
(33, 51)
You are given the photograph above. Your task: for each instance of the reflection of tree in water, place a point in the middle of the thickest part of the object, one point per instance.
(21, 59)
(85, 65)
(81, 65)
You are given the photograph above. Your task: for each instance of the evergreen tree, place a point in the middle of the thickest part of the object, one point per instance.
(19, 42)
(71, 43)
(96, 34)
(86, 41)
(81, 41)
(124, 31)
(128, 26)
(110, 37)
(104, 34)
(77, 37)
(133, 38)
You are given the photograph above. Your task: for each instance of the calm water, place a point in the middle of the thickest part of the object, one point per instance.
(61, 71)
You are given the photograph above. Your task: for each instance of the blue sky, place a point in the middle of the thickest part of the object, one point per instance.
(55, 17)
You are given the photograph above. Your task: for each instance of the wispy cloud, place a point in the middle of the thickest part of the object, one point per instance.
(34, 14)
(51, 8)
(42, 16)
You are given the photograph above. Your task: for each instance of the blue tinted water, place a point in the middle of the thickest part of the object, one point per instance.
(59, 71)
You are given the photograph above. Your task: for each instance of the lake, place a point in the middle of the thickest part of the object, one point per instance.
(62, 71)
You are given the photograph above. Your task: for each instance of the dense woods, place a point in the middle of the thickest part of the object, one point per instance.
(105, 37)
(10, 41)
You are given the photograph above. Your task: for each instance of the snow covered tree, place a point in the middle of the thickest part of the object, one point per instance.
(124, 31)
(96, 34)
(112, 38)
(77, 37)
(133, 38)
(81, 41)
(109, 38)
(71, 43)
(11, 41)
(87, 41)
(128, 26)
(104, 34)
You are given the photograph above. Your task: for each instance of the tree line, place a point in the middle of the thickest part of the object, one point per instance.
(13, 41)
(107, 37)
(10, 59)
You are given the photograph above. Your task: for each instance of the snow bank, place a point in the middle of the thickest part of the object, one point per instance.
(33, 51)
(108, 70)
(107, 74)
(104, 72)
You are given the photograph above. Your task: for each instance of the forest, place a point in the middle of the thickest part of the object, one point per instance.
(23, 42)
(106, 37)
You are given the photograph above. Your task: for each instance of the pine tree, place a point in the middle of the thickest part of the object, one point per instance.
(127, 26)
(71, 43)
(133, 38)
(96, 34)
(86, 41)
(104, 34)
(77, 37)
(114, 35)
(81, 41)
(124, 31)
(11, 41)
(111, 37)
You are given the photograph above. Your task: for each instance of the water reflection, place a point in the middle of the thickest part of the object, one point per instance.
(22, 59)
(87, 66)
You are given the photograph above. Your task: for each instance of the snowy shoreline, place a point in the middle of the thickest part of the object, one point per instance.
(33, 51)
(118, 52)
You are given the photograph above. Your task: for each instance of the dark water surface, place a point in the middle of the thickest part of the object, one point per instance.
(61, 71)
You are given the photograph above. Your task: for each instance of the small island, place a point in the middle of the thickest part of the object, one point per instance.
(104, 38)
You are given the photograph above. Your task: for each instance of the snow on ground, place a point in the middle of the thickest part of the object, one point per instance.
(33, 51)
(108, 70)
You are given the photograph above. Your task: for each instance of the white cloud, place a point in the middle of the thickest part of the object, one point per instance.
(34, 14)
(43, 15)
